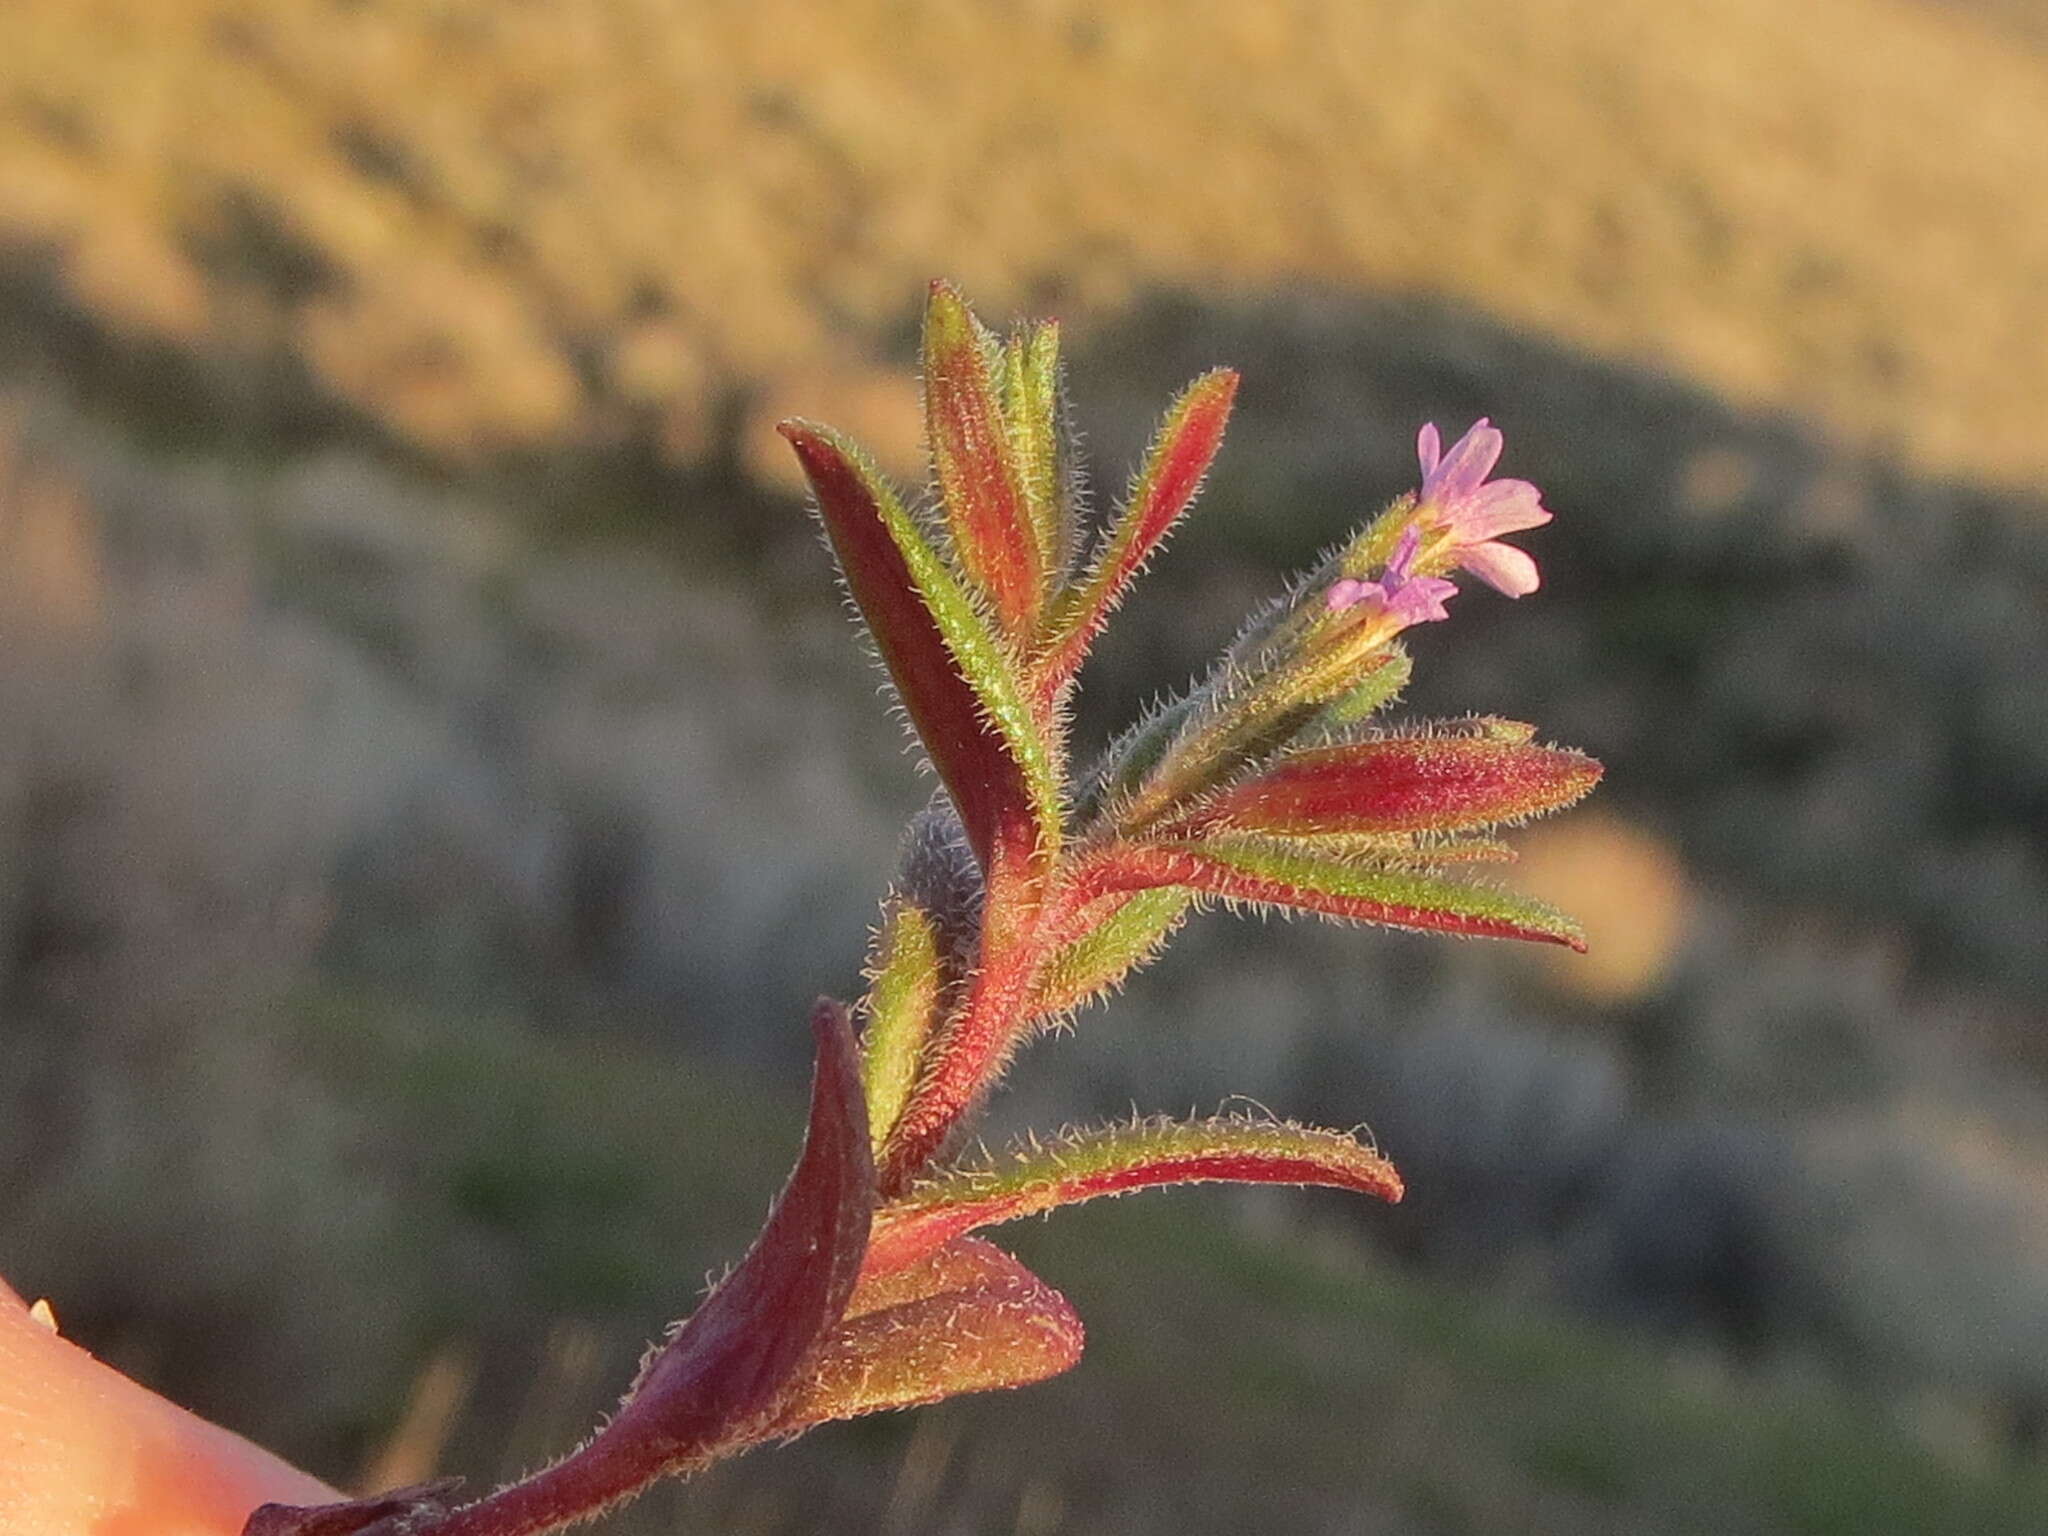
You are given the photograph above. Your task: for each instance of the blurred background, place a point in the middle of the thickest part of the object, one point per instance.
(436, 771)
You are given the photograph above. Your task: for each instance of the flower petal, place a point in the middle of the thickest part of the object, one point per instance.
(1502, 567)
(1498, 507)
(1465, 468)
(1429, 447)
(1420, 600)
(1402, 560)
(1349, 592)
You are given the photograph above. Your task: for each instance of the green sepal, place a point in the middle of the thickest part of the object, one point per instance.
(1233, 722)
(1386, 675)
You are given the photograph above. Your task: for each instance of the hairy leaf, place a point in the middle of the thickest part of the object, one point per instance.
(1110, 950)
(955, 677)
(903, 1007)
(724, 1377)
(1278, 874)
(1433, 783)
(1113, 1161)
(1179, 457)
(967, 1318)
(734, 1362)
(986, 497)
(1034, 412)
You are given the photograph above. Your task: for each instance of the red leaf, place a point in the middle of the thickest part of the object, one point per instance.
(1180, 455)
(1115, 1161)
(974, 761)
(968, 1318)
(734, 1363)
(726, 1374)
(971, 449)
(1401, 784)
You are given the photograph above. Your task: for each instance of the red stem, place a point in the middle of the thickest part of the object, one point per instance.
(605, 1471)
(1020, 925)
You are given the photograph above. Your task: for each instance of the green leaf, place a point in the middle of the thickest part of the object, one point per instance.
(1403, 850)
(1110, 950)
(903, 1008)
(1034, 412)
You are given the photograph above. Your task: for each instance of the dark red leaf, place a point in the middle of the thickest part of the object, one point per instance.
(726, 1374)
(974, 760)
(735, 1361)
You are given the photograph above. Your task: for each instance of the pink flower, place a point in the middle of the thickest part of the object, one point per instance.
(1476, 511)
(1404, 598)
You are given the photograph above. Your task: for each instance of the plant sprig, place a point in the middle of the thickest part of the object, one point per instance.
(1027, 890)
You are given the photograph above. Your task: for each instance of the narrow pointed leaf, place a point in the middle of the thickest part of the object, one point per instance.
(903, 1007)
(972, 452)
(1110, 950)
(968, 1318)
(1272, 873)
(1180, 456)
(954, 676)
(1034, 415)
(1113, 1161)
(1401, 784)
